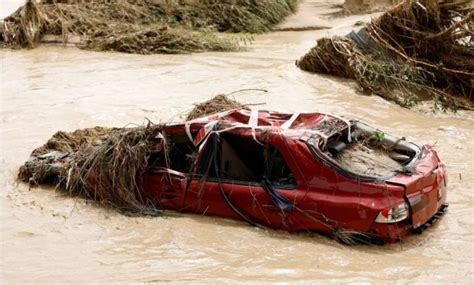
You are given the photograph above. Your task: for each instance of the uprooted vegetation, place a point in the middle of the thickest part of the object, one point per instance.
(106, 164)
(216, 104)
(418, 50)
(145, 26)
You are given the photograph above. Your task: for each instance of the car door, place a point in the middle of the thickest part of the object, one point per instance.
(230, 182)
(164, 188)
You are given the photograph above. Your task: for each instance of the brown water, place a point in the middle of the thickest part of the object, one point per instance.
(46, 237)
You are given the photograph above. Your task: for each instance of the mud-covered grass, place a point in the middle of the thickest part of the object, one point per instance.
(101, 164)
(107, 164)
(417, 50)
(164, 40)
(146, 26)
(368, 161)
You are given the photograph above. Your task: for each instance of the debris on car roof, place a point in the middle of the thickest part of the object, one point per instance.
(214, 105)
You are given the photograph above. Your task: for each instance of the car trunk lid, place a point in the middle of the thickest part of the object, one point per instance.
(425, 187)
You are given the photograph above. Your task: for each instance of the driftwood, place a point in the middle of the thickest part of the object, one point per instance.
(415, 51)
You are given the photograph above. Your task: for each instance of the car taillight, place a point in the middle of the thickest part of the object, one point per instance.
(393, 215)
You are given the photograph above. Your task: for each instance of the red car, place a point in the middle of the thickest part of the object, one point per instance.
(299, 172)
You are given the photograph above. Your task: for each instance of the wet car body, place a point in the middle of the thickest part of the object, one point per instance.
(274, 170)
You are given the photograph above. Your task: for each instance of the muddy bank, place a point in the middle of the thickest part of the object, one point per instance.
(365, 6)
(144, 27)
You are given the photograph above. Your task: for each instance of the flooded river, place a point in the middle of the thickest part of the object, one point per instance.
(46, 237)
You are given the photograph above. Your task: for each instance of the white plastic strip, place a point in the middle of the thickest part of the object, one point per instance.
(290, 121)
(253, 120)
(214, 118)
(204, 132)
(187, 129)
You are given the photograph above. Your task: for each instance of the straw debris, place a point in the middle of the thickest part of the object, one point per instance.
(214, 105)
(105, 165)
(418, 50)
(112, 173)
(74, 141)
(145, 26)
(47, 162)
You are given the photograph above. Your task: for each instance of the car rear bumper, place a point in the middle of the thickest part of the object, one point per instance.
(426, 203)
(441, 211)
(398, 231)
(426, 194)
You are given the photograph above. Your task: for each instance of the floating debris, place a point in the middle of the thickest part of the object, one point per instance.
(214, 105)
(102, 164)
(417, 50)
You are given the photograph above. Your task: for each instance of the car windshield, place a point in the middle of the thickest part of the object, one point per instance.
(365, 152)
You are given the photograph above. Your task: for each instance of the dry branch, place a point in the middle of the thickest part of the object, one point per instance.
(417, 49)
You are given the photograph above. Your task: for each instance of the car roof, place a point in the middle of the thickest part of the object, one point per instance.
(296, 126)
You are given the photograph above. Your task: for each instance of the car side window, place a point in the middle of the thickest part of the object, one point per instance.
(234, 157)
(277, 170)
(243, 160)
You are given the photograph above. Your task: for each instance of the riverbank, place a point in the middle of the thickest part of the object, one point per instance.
(143, 27)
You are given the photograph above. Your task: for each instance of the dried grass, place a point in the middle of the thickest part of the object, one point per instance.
(74, 141)
(143, 26)
(417, 50)
(112, 173)
(47, 163)
(214, 105)
(105, 165)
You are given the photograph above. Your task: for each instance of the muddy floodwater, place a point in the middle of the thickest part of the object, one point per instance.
(46, 237)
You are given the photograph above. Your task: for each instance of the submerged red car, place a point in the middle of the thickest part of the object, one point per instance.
(298, 172)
